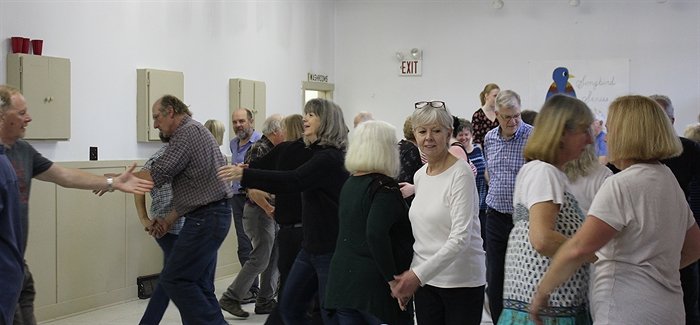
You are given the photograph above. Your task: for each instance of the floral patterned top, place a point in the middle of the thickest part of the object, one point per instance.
(410, 158)
(482, 125)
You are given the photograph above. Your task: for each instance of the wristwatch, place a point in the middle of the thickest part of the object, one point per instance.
(110, 184)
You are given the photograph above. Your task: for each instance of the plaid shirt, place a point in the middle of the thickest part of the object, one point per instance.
(503, 161)
(190, 163)
(162, 196)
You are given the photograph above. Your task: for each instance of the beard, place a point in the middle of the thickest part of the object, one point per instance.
(244, 133)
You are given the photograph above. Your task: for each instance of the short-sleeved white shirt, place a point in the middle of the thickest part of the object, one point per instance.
(584, 188)
(539, 182)
(636, 278)
(448, 251)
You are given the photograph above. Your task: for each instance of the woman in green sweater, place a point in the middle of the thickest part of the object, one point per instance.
(375, 239)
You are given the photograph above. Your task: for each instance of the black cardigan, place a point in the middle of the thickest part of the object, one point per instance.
(319, 180)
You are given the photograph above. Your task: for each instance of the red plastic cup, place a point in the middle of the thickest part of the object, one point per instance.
(37, 46)
(25, 45)
(17, 44)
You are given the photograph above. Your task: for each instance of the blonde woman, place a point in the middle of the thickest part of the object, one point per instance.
(639, 227)
(546, 214)
(217, 129)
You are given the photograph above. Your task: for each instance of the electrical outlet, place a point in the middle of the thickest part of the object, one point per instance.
(93, 153)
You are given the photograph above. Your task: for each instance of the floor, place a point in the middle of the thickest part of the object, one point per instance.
(130, 313)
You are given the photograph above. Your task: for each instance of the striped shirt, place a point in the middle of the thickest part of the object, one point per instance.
(503, 161)
(190, 163)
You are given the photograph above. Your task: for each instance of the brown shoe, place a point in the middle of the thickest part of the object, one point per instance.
(233, 307)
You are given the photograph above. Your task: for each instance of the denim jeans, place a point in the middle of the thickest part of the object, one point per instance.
(346, 316)
(188, 276)
(307, 278)
(24, 313)
(159, 300)
(449, 306)
(288, 242)
(498, 227)
(242, 240)
(263, 258)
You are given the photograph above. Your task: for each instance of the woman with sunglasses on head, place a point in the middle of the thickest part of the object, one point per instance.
(639, 227)
(319, 180)
(546, 214)
(447, 273)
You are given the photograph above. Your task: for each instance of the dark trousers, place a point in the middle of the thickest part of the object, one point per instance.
(449, 306)
(498, 227)
(482, 222)
(289, 244)
(188, 276)
(245, 246)
(346, 316)
(307, 279)
(159, 300)
(689, 284)
(24, 313)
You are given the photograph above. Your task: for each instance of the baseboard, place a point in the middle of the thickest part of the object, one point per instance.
(103, 300)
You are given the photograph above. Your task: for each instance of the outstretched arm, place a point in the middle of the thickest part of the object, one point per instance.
(76, 178)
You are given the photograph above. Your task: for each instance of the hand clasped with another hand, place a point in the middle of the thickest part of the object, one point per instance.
(403, 286)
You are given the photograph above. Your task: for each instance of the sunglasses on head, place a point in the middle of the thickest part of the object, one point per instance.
(434, 103)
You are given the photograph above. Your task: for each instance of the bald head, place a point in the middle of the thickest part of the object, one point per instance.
(362, 116)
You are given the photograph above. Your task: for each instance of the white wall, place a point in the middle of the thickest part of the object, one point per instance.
(467, 44)
(210, 41)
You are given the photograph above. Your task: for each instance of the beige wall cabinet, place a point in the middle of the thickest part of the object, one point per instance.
(151, 85)
(86, 251)
(45, 83)
(249, 94)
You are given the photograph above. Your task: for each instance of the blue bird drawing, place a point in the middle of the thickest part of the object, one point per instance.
(561, 83)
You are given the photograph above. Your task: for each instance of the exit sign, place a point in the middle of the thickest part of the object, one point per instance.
(411, 68)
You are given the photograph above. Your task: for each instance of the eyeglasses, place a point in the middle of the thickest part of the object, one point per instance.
(509, 118)
(434, 103)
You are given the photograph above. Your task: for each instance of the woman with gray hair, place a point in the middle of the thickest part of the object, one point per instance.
(320, 180)
(376, 234)
(448, 260)
(585, 176)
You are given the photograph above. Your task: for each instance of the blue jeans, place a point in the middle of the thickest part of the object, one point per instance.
(346, 316)
(498, 227)
(188, 276)
(245, 246)
(307, 278)
(159, 300)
